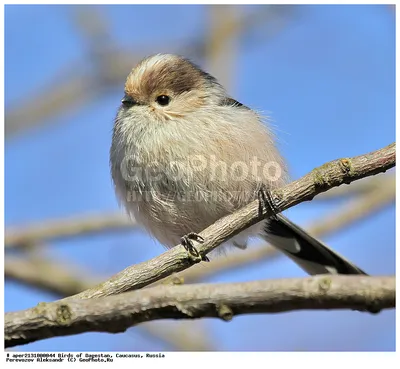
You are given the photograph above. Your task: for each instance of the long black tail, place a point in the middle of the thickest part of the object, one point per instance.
(310, 254)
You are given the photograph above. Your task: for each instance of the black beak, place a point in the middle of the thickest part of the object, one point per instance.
(128, 100)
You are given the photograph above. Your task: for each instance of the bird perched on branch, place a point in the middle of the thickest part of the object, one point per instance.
(184, 154)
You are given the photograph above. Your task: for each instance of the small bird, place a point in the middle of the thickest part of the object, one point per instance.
(184, 154)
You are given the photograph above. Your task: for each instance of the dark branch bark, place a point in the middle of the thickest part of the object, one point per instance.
(117, 313)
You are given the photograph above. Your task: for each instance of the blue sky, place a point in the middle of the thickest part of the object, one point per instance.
(327, 80)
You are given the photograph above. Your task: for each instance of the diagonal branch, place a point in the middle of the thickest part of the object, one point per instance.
(117, 313)
(334, 173)
(354, 211)
(68, 279)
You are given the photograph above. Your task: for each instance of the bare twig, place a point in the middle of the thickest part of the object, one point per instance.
(117, 313)
(73, 92)
(356, 209)
(76, 85)
(182, 335)
(177, 259)
(60, 278)
(224, 26)
(359, 188)
(57, 229)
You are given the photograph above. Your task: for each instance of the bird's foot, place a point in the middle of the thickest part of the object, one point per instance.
(187, 243)
(266, 201)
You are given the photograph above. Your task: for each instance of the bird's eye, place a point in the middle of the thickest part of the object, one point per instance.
(163, 100)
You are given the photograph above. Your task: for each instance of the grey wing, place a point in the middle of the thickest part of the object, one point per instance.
(310, 254)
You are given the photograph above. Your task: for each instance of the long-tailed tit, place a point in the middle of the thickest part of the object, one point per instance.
(184, 154)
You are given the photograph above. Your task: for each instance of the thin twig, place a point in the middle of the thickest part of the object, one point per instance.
(355, 210)
(78, 84)
(50, 275)
(62, 228)
(182, 335)
(224, 27)
(359, 188)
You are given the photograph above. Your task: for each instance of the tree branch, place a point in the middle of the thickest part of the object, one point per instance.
(61, 228)
(66, 279)
(359, 188)
(355, 210)
(117, 313)
(76, 85)
(321, 179)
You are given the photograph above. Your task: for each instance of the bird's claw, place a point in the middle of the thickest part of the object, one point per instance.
(187, 243)
(266, 201)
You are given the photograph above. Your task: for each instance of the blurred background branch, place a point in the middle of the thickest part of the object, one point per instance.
(65, 228)
(78, 85)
